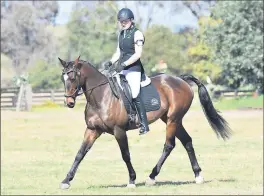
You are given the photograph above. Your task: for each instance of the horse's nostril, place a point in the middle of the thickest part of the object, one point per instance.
(71, 104)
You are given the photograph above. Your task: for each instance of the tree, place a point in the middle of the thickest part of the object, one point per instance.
(45, 76)
(148, 13)
(93, 32)
(238, 42)
(144, 11)
(197, 8)
(200, 53)
(46, 11)
(7, 72)
(162, 44)
(23, 34)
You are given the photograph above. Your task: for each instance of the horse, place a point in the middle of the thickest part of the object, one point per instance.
(105, 113)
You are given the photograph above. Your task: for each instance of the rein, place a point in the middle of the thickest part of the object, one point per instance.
(76, 92)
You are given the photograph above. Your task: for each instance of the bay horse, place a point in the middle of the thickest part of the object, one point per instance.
(105, 113)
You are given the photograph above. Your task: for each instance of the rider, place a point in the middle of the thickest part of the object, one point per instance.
(128, 53)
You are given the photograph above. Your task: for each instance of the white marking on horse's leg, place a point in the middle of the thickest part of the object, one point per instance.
(150, 182)
(199, 179)
(64, 186)
(131, 186)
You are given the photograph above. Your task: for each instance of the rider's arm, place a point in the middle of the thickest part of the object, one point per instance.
(116, 55)
(139, 42)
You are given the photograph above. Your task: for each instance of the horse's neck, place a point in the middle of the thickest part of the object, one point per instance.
(94, 85)
(92, 77)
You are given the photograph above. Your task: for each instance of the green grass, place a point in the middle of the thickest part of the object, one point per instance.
(231, 103)
(239, 103)
(38, 148)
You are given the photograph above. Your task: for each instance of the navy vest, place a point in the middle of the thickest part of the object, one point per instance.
(127, 48)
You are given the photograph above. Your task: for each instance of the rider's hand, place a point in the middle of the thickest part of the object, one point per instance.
(120, 67)
(108, 64)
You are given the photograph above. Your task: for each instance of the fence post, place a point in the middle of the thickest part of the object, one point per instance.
(14, 100)
(28, 96)
(236, 93)
(21, 92)
(52, 95)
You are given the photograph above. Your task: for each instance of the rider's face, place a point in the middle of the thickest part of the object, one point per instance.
(125, 24)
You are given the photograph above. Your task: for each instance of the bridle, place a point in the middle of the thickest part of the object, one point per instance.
(77, 73)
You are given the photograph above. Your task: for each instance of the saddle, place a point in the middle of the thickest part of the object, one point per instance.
(121, 89)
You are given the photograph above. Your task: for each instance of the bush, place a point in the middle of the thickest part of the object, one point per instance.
(45, 76)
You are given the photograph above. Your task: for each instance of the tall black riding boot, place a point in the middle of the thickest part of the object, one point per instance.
(142, 115)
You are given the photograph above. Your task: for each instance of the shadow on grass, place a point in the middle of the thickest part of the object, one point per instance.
(162, 183)
(227, 180)
(158, 183)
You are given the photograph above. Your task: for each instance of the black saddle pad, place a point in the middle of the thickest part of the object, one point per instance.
(149, 96)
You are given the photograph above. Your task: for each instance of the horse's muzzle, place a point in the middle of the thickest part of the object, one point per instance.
(70, 102)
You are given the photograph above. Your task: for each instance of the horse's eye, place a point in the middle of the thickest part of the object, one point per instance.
(71, 76)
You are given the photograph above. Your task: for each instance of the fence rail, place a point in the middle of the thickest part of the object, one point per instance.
(9, 96)
(234, 93)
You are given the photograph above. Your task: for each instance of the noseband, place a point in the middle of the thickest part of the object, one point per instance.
(75, 72)
(78, 73)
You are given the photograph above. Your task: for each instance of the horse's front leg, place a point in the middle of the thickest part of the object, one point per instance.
(89, 138)
(121, 138)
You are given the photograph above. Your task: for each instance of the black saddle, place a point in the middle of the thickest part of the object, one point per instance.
(149, 95)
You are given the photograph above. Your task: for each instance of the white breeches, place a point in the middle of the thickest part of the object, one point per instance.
(134, 79)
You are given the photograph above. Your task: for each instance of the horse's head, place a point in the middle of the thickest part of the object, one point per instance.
(71, 78)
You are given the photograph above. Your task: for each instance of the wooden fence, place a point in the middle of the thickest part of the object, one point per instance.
(40, 97)
(9, 96)
(234, 93)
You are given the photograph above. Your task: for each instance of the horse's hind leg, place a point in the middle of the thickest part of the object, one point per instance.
(89, 138)
(168, 147)
(186, 141)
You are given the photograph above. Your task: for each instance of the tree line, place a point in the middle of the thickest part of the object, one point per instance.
(227, 47)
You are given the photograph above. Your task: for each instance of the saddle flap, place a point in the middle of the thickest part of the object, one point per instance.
(113, 83)
(126, 88)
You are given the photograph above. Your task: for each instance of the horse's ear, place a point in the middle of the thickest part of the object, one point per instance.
(62, 62)
(76, 61)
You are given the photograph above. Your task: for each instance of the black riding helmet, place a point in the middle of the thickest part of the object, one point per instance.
(125, 14)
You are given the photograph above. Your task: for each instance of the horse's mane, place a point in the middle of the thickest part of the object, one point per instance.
(89, 64)
(83, 61)
(71, 63)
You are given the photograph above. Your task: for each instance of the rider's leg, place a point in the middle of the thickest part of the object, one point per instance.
(134, 79)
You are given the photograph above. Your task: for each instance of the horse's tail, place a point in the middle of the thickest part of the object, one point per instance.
(217, 122)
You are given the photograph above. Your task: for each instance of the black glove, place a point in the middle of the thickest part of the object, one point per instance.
(120, 67)
(108, 64)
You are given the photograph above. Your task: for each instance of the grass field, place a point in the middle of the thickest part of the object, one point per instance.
(38, 148)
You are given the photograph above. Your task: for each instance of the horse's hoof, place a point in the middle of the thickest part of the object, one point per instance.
(131, 186)
(150, 182)
(199, 180)
(65, 185)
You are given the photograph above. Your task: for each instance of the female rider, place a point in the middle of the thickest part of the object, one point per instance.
(128, 53)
